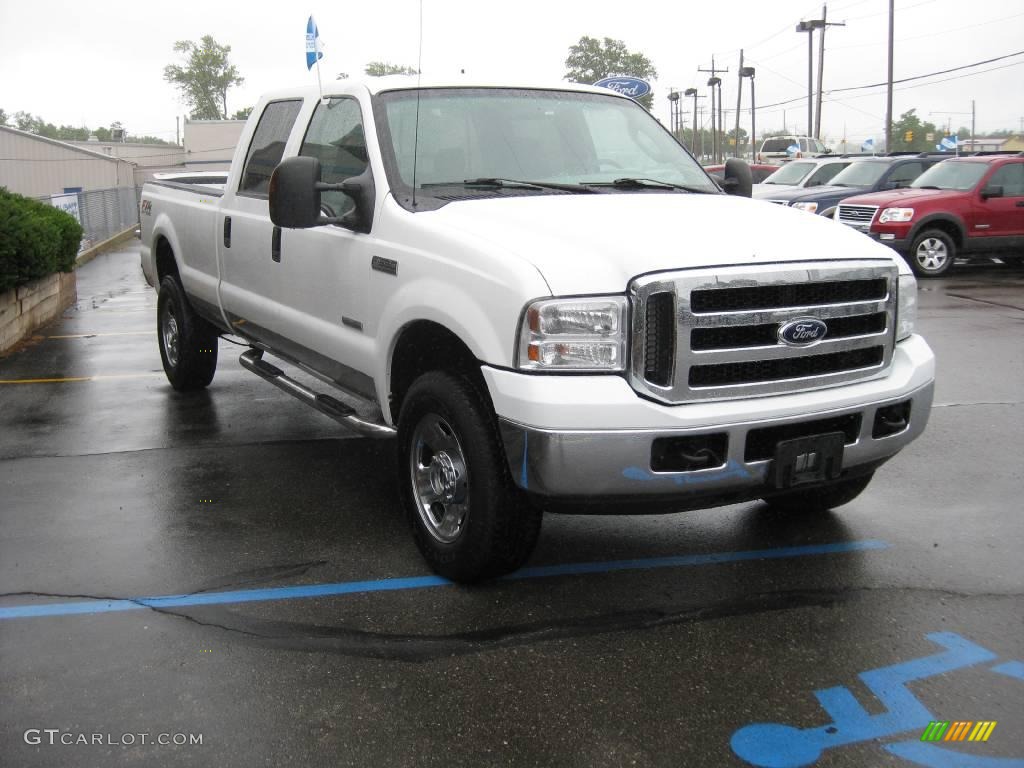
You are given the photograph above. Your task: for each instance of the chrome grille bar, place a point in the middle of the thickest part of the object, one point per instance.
(830, 361)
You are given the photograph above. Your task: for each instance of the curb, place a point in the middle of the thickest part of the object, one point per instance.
(91, 253)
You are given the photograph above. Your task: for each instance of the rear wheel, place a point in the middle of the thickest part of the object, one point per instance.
(822, 498)
(468, 518)
(188, 343)
(932, 253)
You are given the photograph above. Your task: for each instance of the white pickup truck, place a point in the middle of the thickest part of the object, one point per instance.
(546, 301)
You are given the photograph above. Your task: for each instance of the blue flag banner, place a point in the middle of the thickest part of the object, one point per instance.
(314, 52)
(792, 149)
(949, 142)
(868, 145)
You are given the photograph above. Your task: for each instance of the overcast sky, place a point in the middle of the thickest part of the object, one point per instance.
(97, 63)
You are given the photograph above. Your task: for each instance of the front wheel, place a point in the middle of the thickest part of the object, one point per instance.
(932, 253)
(188, 343)
(820, 499)
(469, 520)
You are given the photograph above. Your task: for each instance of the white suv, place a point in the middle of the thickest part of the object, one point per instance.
(775, 150)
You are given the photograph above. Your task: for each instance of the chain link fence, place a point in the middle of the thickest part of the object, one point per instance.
(104, 213)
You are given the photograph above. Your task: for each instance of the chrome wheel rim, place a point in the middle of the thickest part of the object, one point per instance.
(169, 334)
(932, 254)
(440, 479)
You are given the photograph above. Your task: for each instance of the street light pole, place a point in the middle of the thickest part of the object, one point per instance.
(888, 90)
(749, 72)
(739, 101)
(693, 136)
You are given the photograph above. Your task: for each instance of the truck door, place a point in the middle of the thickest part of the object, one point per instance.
(1005, 214)
(245, 234)
(321, 269)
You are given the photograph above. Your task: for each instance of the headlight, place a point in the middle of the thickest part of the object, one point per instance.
(574, 335)
(906, 310)
(896, 214)
(809, 207)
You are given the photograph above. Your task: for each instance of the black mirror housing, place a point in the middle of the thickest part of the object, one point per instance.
(738, 180)
(294, 194)
(992, 190)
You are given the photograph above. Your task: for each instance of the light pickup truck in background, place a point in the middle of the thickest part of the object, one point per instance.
(547, 304)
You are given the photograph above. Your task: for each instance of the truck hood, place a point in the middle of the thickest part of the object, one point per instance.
(896, 198)
(598, 243)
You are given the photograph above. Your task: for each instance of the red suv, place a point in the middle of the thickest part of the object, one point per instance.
(961, 205)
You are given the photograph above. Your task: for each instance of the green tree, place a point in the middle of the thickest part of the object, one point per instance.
(204, 77)
(242, 114)
(3, 117)
(910, 126)
(381, 68)
(591, 59)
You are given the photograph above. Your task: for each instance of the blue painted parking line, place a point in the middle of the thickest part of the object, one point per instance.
(423, 582)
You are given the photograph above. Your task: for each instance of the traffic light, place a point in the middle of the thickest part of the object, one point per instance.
(908, 136)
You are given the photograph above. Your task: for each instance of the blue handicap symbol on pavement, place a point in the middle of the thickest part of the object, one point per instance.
(773, 745)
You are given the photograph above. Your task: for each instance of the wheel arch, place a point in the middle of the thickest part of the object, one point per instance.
(943, 222)
(426, 345)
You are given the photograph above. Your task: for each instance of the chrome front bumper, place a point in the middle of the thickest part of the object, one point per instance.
(596, 464)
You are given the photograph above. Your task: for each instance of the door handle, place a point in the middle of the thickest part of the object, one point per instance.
(1020, 203)
(275, 245)
(227, 231)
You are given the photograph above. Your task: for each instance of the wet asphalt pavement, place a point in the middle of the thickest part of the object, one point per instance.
(305, 634)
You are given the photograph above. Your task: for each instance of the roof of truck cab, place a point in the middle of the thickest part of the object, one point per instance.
(377, 85)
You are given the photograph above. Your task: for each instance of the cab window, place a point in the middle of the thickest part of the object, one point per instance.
(904, 174)
(1010, 178)
(335, 137)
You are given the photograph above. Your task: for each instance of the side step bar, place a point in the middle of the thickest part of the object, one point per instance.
(252, 360)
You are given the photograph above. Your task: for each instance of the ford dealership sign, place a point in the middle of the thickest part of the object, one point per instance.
(633, 87)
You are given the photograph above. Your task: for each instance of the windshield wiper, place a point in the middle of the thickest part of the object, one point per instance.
(495, 182)
(634, 183)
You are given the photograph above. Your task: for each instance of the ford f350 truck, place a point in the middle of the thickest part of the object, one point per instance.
(547, 304)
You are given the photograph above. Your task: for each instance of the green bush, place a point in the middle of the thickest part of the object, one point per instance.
(36, 240)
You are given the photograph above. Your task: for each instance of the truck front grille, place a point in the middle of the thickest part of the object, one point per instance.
(859, 216)
(713, 334)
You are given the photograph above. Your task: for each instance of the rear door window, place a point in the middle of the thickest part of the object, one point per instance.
(267, 146)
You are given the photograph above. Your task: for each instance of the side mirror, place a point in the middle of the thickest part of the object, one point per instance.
(295, 203)
(294, 196)
(992, 190)
(738, 180)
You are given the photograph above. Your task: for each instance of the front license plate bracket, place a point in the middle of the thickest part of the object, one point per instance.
(807, 460)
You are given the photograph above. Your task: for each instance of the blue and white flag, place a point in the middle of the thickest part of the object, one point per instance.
(792, 149)
(314, 51)
(868, 145)
(949, 142)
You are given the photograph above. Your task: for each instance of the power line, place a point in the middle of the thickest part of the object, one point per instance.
(906, 79)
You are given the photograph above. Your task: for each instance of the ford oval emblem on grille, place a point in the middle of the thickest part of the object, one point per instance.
(802, 332)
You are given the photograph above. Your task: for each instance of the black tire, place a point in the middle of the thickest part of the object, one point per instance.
(468, 518)
(188, 343)
(932, 253)
(820, 498)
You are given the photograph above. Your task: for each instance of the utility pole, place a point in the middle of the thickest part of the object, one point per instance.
(972, 123)
(888, 90)
(696, 113)
(177, 130)
(712, 82)
(749, 72)
(739, 100)
(809, 27)
(825, 24)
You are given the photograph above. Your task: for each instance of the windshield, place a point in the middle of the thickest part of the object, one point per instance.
(559, 137)
(961, 176)
(793, 173)
(862, 174)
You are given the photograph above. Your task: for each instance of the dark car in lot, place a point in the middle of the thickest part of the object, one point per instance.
(960, 206)
(868, 175)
